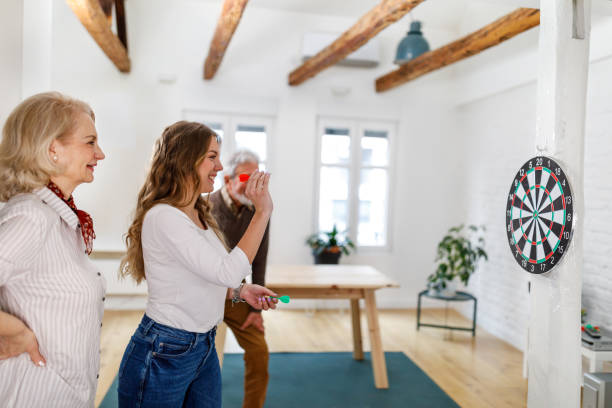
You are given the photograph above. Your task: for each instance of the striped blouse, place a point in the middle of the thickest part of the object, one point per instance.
(47, 281)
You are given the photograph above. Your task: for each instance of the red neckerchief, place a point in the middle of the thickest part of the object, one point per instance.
(85, 220)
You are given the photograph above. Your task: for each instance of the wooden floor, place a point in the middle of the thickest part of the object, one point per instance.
(476, 372)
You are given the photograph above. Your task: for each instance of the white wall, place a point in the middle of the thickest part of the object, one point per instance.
(173, 38)
(597, 279)
(37, 50)
(11, 18)
(462, 133)
(497, 117)
(499, 133)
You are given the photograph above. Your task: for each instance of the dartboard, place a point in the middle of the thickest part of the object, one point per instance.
(539, 215)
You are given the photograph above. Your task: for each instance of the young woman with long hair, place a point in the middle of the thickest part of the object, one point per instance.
(174, 243)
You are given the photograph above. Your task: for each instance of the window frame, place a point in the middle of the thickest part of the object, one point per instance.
(229, 122)
(357, 128)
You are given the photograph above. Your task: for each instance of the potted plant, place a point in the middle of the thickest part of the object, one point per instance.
(458, 255)
(327, 246)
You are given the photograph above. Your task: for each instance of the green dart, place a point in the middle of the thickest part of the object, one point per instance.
(284, 299)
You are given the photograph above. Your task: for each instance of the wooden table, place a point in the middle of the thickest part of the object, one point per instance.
(352, 282)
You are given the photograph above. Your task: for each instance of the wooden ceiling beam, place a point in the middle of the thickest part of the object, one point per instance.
(370, 24)
(490, 35)
(121, 22)
(226, 25)
(93, 18)
(107, 8)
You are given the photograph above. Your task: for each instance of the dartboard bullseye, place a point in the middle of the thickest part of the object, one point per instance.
(539, 215)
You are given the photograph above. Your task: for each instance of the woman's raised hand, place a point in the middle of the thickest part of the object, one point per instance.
(257, 191)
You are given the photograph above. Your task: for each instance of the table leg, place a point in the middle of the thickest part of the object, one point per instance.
(474, 317)
(220, 341)
(357, 341)
(419, 311)
(379, 365)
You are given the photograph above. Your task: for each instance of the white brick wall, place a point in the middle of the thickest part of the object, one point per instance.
(499, 132)
(597, 279)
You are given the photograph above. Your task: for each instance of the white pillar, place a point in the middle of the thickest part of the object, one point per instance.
(36, 56)
(554, 326)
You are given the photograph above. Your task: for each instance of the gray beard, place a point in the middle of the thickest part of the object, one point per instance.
(242, 199)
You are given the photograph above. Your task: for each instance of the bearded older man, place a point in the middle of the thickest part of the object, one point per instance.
(233, 212)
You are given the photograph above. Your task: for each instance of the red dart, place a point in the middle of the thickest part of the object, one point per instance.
(243, 177)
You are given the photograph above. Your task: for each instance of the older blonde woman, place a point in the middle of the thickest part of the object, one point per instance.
(51, 295)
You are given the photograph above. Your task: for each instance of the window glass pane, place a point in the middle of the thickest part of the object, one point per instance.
(217, 127)
(372, 207)
(374, 148)
(252, 138)
(333, 198)
(335, 146)
(218, 181)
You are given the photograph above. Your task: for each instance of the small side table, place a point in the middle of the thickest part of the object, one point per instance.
(457, 297)
(596, 358)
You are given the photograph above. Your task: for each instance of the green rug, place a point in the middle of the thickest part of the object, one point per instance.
(329, 380)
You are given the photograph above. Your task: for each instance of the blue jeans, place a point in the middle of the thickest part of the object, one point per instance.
(167, 367)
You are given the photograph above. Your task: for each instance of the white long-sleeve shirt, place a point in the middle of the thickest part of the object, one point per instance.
(188, 270)
(47, 281)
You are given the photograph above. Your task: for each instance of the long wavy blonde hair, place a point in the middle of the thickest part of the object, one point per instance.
(27, 134)
(173, 180)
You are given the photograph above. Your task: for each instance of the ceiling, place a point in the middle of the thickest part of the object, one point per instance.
(442, 14)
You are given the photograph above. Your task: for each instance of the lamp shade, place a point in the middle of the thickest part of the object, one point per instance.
(412, 45)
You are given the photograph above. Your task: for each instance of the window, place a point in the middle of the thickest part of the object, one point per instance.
(237, 132)
(354, 176)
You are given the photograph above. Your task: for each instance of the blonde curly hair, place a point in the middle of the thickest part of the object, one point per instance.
(27, 134)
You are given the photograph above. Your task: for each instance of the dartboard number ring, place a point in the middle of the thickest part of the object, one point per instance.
(539, 215)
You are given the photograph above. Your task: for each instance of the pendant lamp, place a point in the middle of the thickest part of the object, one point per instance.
(412, 45)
